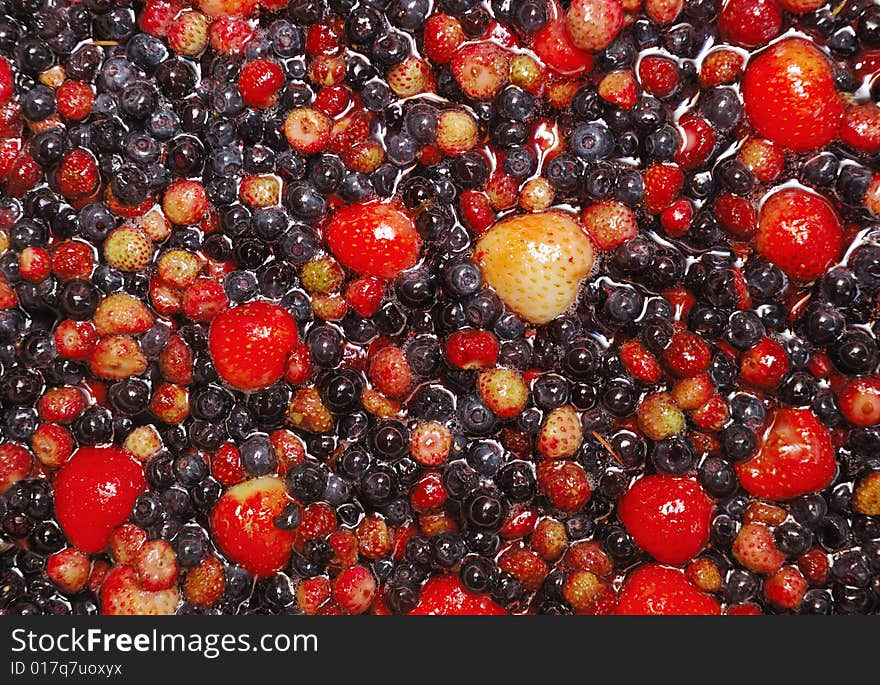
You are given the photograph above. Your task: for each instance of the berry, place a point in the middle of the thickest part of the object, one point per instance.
(790, 96)
(445, 596)
(481, 69)
(516, 255)
(250, 344)
(668, 517)
(94, 493)
(593, 24)
(658, 591)
(259, 83)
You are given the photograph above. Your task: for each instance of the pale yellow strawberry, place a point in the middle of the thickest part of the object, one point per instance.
(128, 248)
(503, 391)
(536, 263)
(122, 313)
(457, 132)
(561, 435)
(410, 77)
(659, 416)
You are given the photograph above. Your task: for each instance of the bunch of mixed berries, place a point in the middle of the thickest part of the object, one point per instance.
(358, 306)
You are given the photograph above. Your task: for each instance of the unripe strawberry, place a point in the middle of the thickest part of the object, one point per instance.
(503, 391)
(156, 564)
(128, 248)
(262, 190)
(410, 77)
(659, 416)
(307, 130)
(457, 132)
(117, 357)
(170, 404)
(69, 569)
(593, 24)
(755, 549)
(178, 268)
(561, 434)
(188, 34)
(430, 443)
(185, 202)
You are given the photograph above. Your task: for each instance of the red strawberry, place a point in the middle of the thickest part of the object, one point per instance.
(764, 159)
(561, 434)
(659, 591)
(259, 82)
(157, 16)
(663, 183)
(697, 142)
(750, 23)
(861, 127)
(94, 493)
(786, 588)
(74, 100)
(687, 355)
(796, 457)
(619, 88)
(554, 46)
(446, 596)
(790, 96)
(243, 525)
(225, 8)
(737, 215)
(668, 517)
(659, 75)
(764, 365)
(390, 372)
(755, 548)
(443, 36)
(481, 69)
(720, 67)
(364, 295)
(593, 24)
(229, 35)
(123, 595)
(860, 401)
(799, 232)
(250, 344)
(15, 464)
(77, 174)
(639, 362)
(354, 588)
(662, 12)
(373, 238)
(565, 485)
(472, 349)
(7, 81)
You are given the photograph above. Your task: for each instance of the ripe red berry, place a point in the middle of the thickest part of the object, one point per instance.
(259, 82)
(655, 590)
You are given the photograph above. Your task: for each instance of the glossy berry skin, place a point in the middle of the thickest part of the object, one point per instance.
(94, 493)
(796, 457)
(790, 96)
(668, 517)
(800, 232)
(655, 590)
(259, 82)
(243, 525)
(250, 344)
(445, 596)
(373, 238)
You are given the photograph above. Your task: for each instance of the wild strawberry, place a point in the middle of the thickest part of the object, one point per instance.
(354, 588)
(593, 24)
(639, 362)
(374, 539)
(588, 555)
(170, 403)
(373, 238)
(619, 88)
(587, 594)
(122, 313)
(430, 443)
(324, 38)
(94, 493)
(750, 23)
(289, 449)
(178, 268)
(123, 595)
(364, 157)
(15, 464)
(250, 344)
(790, 96)
(659, 416)
(75, 339)
(73, 259)
(390, 372)
(299, 365)
(225, 8)
(503, 391)
(609, 223)
(34, 264)
(561, 434)
(156, 564)
(658, 75)
(61, 405)
(443, 35)
(204, 585)
(364, 295)
(226, 465)
(521, 518)
(444, 595)
(655, 590)
(860, 128)
(765, 364)
(502, 190)
(472, 349)
(157, 16)
(676, 218)
(697, 143)
(10, 149)
(860, 401)
(764, 159)
(143, 443)
(327, 71)
(333, 100)
(476, 211)
(229, 35)
(800, 232)
(307, 411)
(705, 574)
(243, 525)
(260, 190)
(7, 81)
(410, 77)
(663, 12)
(69, 569)
(866, 496)
(815, 566)
(721, 67)
(457, 132)
(537, 282)
(795, 457)
(176, 361)
(663, 183)
(259, 82)
(481, 69)
(185, 202)
(77, 175)
(311, 593)
(322, 275)
(737, 216)
(117, 357)
(549, 539)
(525, 565)
(74, 100)
(687, 355)
(307, 130)
(554, 47)
(536, 195)
(204, 299)
(755, 548)
(786, 588)
(188, 34)
(428, 493)
(565, 485)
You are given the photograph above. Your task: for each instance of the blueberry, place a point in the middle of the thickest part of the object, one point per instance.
(591, 141)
